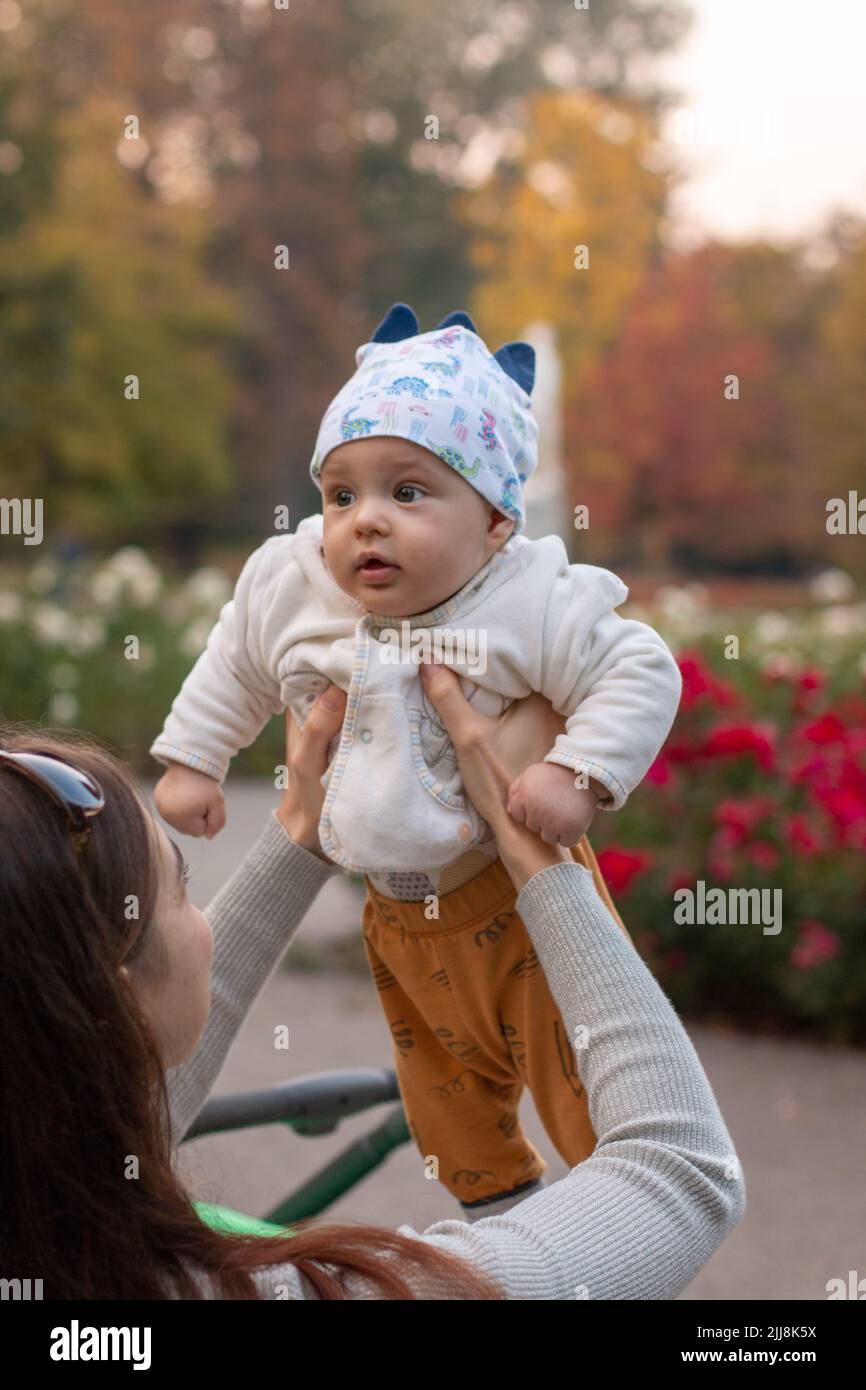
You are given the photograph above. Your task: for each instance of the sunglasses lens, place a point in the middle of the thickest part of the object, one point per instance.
(77, 788)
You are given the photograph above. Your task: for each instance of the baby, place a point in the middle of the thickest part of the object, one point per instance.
(421, 460)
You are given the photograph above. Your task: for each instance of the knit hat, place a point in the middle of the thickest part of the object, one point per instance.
(445, 391)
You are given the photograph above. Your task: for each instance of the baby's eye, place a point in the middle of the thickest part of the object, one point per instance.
(341, 492)
(409, 487)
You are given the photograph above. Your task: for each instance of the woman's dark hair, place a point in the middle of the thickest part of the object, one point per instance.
(82, 1086)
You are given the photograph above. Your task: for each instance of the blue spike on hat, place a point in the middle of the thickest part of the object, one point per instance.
(399, 323)
(518, 360)
(458, 316)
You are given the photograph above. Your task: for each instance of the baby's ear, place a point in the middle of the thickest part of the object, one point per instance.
(497, 518)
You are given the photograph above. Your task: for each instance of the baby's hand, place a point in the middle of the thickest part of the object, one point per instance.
(191, 801)
(545, 799)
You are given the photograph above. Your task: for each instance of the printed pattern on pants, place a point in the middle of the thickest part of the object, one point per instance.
(473, 1022)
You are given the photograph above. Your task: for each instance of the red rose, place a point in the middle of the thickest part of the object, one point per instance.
(828, 729)
(698, 680)
(734, 740)
(762, 853)
(815, 944)
(811, 679)
(801, 835)
(620, 866)
(740, 815)
(660, 771)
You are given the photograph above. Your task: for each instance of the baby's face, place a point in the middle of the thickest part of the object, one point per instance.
(398, 499)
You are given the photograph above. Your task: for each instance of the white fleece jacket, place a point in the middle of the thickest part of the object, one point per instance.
(394, 797)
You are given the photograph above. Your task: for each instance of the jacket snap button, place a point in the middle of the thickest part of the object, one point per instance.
(366, 735)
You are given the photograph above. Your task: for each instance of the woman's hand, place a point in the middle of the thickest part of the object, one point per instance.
(307, 762)
(491, 752)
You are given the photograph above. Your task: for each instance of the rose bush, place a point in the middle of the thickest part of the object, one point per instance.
(761, 784)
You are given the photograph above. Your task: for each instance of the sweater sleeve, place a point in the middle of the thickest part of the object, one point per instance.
(613, 678)
(253, 918)
(663, 1187)
(233, 689)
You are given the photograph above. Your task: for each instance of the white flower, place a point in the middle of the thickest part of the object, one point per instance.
(637, 613)
(680, 600)
(10, 606)
(700, 594)
(104, 587)
(832, 586)
(682, 609)
(194, 640)
(208, 587)
(769, 628)
(64, 674)
(129, 561)
(51, 626)
(842, 621)
(138, 575)
(64, 708)
(42, 577)
(780, 666)
(87, 634)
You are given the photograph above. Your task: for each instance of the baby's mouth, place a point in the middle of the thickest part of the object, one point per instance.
(376, 571)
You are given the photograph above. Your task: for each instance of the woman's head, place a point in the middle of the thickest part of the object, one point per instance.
(175, 992)
(161, 944)
(104, 984)
(87, 947)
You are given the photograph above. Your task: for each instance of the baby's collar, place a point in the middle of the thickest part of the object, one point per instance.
(443, 611)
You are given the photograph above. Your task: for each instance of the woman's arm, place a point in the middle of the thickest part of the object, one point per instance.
(255, 915)
(642, 1215)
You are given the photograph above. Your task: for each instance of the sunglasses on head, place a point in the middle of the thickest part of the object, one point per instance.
(77, 793)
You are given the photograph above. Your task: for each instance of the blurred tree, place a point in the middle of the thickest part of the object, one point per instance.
(836, 392)
(113, 287)
(242, 112)
(307, 127)
(444, 92)
(770, 293)
(668, 459)
(587, 175)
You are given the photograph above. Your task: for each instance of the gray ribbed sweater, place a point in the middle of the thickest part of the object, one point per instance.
(662, 1188)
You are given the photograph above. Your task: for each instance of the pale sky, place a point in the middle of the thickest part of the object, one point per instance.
(772, 120)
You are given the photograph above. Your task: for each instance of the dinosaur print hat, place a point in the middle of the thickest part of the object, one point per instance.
(445, 391)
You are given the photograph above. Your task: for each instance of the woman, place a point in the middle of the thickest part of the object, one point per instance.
(108, 1049)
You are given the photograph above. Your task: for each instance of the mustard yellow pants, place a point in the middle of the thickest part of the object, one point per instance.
(473, 1022)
